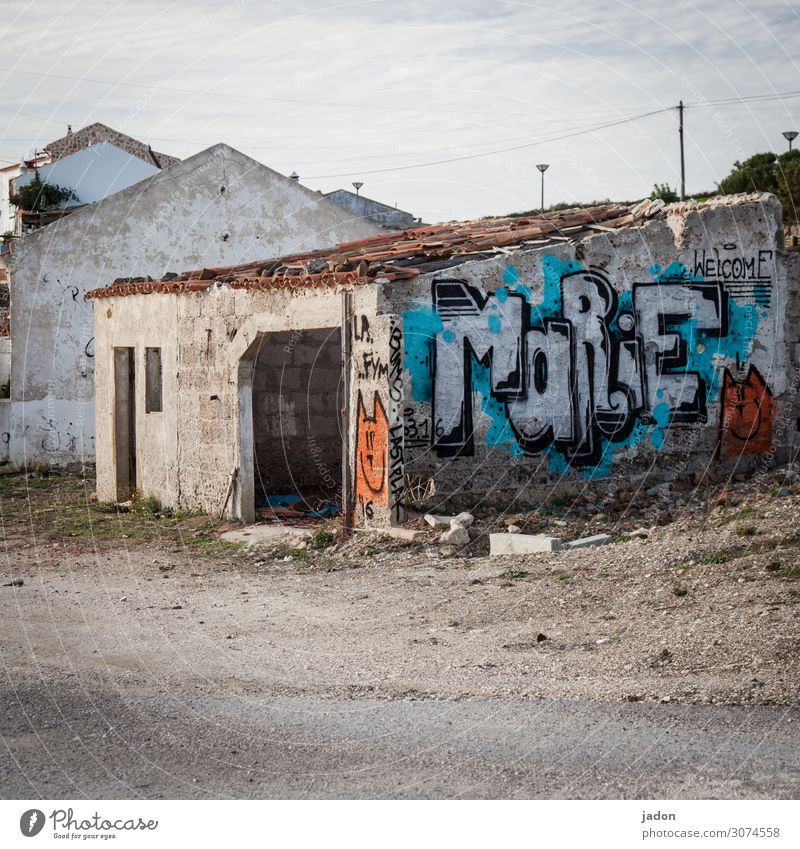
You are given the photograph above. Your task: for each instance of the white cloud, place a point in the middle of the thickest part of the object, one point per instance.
(432, 81)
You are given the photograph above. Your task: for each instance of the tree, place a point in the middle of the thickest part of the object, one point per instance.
(756, 174)
(787, 189)
(665, 192)
(38, 195)
(767, 172)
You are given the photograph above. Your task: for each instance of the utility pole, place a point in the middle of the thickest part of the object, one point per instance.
(683, 163)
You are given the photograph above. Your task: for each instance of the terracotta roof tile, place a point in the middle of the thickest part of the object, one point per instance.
(395, 256)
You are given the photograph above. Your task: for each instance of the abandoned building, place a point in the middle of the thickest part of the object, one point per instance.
(469, 362)
(374, 211)
(217, 207)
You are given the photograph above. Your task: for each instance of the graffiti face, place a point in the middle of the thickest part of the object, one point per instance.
(372, 441)
(585, 369)
(748, 410)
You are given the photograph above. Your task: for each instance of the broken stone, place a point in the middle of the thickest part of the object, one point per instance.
(457, 535)
(514, 529)
(540, 638)
(408, 534)
(17, 582)
(463, 519)
(501, 544)
(585, 542)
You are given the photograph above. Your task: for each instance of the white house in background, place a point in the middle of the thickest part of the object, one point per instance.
(90, 136)
(93, 173)
(8, 173)
(218, 208)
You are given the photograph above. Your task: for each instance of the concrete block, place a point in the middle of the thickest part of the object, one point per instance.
(408, 534)
(502, 544)
(585, 542)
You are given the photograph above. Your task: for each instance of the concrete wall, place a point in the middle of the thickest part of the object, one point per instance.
(372, 210)
(209, 421)
(659, 350)
(218, 208)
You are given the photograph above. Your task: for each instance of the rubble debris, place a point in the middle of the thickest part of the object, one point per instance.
(503, 544)
(408, 534)
(586, 542)
(439, 522)
(457, 535)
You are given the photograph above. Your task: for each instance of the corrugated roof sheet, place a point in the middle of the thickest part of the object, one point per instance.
(400, 255)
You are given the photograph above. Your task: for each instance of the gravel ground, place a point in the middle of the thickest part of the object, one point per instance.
(98, 743)
(702, 610)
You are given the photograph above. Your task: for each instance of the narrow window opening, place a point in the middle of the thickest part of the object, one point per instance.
(152, 366)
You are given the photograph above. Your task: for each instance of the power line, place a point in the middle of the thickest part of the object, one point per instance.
(753, 98)
(497, 150)
(263, 97)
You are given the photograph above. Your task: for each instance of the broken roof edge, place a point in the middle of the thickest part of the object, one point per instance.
(420, 250)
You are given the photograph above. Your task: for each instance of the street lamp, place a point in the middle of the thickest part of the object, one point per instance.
(790, 136)
(542, 167)
(357, 187)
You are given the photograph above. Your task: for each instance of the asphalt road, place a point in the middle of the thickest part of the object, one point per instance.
(66, 740)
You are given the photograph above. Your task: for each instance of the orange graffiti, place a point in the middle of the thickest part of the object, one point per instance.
(748, 409)
(372, 442)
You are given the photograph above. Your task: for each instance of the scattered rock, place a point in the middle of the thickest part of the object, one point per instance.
(661, 659)
(439, 522)
(514, 529)
(17, 582)
(540, 638)
(457, 535)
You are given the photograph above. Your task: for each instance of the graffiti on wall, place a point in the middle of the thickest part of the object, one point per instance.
(587, 370)
(372, 440)
(377, 368)
(748, 411)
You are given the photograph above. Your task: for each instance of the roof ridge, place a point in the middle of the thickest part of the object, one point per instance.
(393, 256)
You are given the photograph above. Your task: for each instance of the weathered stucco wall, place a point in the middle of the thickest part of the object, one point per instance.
(218, 208)
(207, 430)
(656, 349)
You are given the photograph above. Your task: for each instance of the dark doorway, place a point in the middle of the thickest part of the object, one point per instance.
(297, 427)
(125, 421)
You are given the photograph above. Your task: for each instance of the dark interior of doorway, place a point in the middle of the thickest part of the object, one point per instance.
(296, 417)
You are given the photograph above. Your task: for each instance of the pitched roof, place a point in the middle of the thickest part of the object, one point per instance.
(97, 132)
(399, 255)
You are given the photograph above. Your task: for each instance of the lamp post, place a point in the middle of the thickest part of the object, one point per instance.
(790, 136)
(542, 168)
(357, 187)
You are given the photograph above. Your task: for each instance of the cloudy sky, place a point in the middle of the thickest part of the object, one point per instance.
(362, 90)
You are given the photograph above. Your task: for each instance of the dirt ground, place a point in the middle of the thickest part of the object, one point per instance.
(703, 609)
(143, 655)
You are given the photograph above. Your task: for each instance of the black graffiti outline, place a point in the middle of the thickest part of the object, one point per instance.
(602, 423)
